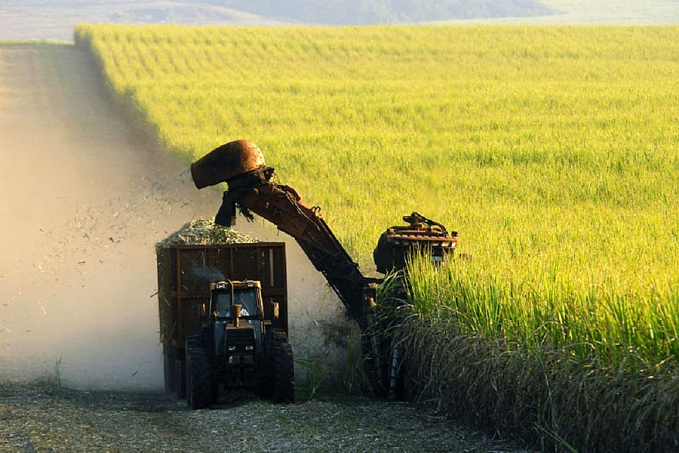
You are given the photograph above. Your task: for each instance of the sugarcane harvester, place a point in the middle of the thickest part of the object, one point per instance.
(253, 189)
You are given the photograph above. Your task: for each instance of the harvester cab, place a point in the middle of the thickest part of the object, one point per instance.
(237, 348)
(420, 235)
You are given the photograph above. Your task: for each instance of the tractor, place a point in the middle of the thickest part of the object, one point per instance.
(237, 348)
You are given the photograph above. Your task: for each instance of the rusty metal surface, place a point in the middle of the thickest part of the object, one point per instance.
(225, 162)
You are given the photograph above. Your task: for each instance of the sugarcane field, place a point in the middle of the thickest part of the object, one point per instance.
(339, 226)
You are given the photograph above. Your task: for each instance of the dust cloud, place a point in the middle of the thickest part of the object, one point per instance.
(84, 200)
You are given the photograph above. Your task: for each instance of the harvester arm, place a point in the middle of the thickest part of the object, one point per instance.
(251, 186)
(282, 206)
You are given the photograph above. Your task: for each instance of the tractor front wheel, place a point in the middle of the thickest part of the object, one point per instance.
(198, 385)
(283, 374)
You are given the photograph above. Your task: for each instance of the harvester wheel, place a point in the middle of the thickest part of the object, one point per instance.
(198, 385)
(283, 374)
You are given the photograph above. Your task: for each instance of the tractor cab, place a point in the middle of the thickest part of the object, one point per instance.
(236, 320)
(238, 348)
(246, 294)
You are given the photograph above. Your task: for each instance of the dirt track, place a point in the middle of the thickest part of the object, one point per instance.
(48, 420)
(84, 201)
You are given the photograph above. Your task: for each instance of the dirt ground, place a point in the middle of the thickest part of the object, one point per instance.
(84, 200)
(42, 418)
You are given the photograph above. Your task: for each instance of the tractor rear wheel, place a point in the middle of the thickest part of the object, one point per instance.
(198, 385)
(283, 374)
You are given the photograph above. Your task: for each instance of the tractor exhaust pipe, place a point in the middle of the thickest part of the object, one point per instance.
(235, 314)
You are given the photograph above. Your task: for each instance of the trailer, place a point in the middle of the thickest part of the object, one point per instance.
(185, 273)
